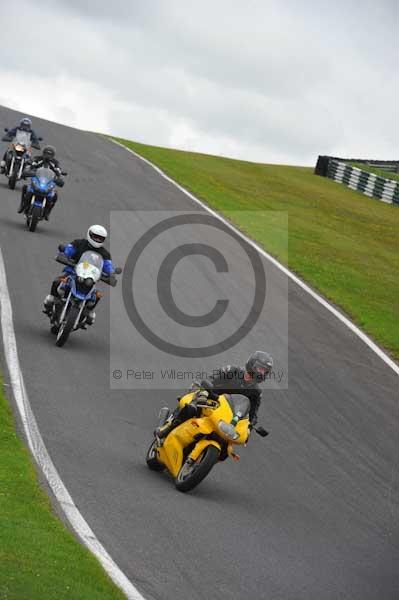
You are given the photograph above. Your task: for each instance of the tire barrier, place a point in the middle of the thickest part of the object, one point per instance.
(369, 184)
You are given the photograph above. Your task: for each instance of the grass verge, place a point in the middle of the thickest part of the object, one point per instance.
(39, 557)
(344, 244)
(376, 171)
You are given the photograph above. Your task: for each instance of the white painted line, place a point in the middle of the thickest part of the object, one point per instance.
(365, 338)
(39, 450)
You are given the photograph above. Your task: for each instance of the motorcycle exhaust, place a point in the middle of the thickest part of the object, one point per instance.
(164, 414)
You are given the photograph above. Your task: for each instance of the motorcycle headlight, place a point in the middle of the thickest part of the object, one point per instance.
(84, 284)
(89, 282)
(228, 430)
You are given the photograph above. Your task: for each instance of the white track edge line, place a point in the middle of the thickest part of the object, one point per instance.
(354, 328)
(39, 451)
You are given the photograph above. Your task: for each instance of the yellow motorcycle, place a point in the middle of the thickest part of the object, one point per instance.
(191, 449)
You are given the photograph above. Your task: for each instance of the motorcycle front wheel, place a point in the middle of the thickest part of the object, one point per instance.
(12, 180)
(192, 473)
(67, 326)
(34, 217)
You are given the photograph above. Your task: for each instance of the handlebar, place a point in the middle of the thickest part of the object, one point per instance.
(108, 279)
(213, 404)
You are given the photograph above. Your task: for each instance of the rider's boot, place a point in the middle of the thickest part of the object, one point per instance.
(23, 200)
(49, 206)
(177, 418)
(189, 411)
(91, 317)
(48, 304)
(164, 430)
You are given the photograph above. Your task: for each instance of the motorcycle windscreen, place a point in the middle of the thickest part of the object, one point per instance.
(90, 265)
(44, 175)
(240, 405)
(23, 138)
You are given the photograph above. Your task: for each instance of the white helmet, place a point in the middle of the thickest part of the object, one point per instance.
(96, 235)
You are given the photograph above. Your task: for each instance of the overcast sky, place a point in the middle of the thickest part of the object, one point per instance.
(262, 80)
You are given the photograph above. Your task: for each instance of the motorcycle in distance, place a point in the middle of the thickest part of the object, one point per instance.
(18, 156)
(41, 190)
(191, 449)
(77, 289)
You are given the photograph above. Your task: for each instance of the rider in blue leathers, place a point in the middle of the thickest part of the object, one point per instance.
(96, 236)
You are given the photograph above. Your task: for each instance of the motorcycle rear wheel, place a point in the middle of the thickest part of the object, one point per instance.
(151, 459)
(67, 326)
(190, 475)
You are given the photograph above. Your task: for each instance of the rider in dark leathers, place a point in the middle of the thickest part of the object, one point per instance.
(46, 159)
(24, 125)
(230, 380)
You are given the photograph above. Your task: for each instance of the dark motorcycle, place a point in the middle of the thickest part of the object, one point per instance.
(18, 156)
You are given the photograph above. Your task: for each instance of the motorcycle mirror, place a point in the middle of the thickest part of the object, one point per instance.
(118, 270)
(261, 431)
(5, 128)
(61, 247)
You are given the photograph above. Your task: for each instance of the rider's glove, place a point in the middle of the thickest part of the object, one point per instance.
(201, 396)
(195, 386)
(253, 422)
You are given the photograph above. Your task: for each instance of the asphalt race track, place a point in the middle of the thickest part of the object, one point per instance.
(311, 512)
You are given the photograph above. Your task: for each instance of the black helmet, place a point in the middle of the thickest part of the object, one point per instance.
(259, 365)
(48, 152)
(25, 124)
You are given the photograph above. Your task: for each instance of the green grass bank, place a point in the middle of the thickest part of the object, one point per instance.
(39, 558)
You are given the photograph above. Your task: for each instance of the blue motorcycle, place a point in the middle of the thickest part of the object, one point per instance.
(77, 292)
(39, 194)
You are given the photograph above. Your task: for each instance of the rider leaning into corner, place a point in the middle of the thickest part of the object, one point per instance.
(228, 380)
(24, 125)
(96, 236)
(45, 159)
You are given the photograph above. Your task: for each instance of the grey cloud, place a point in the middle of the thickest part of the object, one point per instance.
(293, 77)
